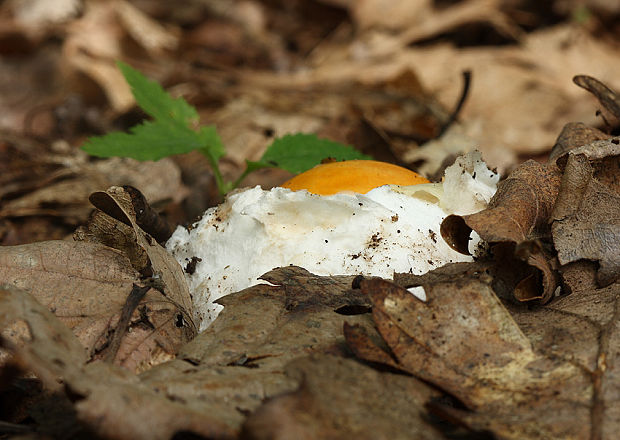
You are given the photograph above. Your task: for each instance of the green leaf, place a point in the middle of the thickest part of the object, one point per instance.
(297, 153)
(151, 140)
(154, 100)
(167, 135)
(213, 146)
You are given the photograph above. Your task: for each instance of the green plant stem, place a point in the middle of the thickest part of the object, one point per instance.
(221, 185)
(237, 182)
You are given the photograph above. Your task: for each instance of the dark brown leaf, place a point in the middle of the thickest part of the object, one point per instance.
(469, 345)
(342, 399)
(45, 346)
(117, 203)
(573, 135)
(304, 289)
(520, 209)
(239, 360)
(586, 219)
(607, 97)
(360, 343)
(116, 404)
(517, 218)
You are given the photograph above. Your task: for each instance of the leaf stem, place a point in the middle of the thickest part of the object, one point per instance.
(221, 185)
(237, 182)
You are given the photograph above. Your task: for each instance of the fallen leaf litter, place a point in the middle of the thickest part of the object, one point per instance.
(568, 348)
(561, 357)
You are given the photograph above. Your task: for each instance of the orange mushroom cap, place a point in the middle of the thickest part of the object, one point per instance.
(358, 176)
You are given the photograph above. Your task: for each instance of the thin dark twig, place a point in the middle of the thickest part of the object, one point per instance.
(459, 105)
(132, 301)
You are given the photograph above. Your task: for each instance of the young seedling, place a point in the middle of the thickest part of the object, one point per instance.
(174, 129)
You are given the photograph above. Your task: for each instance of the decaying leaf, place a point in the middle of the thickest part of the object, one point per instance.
(463, 340)
(586, 217)
(49, 349)
(118, 203)
(109, 399)
(581, 329)
(83, 283)
(517, 215)
(608, 98)
(227, 371)
(520, 208)
(303, 290)
(573, 135)
(341, 398)
(86, 285)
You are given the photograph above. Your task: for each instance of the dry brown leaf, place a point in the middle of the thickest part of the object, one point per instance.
(225, 372)
(303, 290)
(118, 203)
(83, 283)
(46, 347)
(150, 34)
(517, 215)
(586, 217)
(469, 345)
(385, 117)
(365, 348)
(521, 96)
(86, 285)
(239, 360)
(420, 20)
(60, 198)
(518, 211)
(109, 399)
(581, 329)
(396, 15)
(573, 135)
(339, 399)
(608, 98)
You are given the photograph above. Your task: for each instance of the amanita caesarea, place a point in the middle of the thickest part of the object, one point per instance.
(360, 217)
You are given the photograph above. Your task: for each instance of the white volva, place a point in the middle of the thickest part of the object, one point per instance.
(390, 229)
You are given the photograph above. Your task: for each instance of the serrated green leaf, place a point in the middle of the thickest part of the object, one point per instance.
(154, 100)
(151, 140)
(297, 153)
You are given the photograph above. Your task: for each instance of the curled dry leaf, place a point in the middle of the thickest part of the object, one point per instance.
(518, 214)
(586, 218)
(573, 135)
(468, 344)
(520, 208)
(118, 203)
(608, 98)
